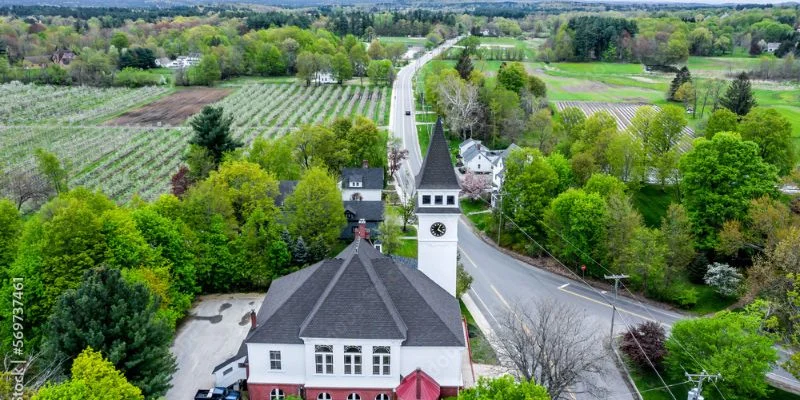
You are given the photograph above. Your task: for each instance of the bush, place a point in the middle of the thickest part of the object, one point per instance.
(682, 294)
(644, 344)
(133, 77)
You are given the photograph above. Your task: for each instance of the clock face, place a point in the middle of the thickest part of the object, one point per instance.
(438, 229)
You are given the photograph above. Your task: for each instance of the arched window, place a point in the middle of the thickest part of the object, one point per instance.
(356, 197)
(326, 396)
(276, 394)
(382, 396)
(354, 396)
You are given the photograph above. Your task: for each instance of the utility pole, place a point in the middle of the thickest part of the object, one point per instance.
(698, 380)
(500, 214)
(616, 279)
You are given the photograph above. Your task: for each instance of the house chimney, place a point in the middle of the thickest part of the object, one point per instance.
(252, 319)
(364, 164)
(362, 229)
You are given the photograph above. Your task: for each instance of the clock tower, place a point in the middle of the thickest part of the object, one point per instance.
(438, 213)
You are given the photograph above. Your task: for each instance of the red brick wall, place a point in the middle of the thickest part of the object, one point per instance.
(260, 391)
(341, 394)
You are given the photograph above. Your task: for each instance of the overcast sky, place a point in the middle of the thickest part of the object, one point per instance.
(695, 1)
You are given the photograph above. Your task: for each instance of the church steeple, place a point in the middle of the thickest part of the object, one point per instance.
(437, 168)
(437, 213)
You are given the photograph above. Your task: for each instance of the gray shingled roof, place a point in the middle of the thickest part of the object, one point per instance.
(437, 169)
(372, 178)
(368, 210)
(285, 188)
(359, 295)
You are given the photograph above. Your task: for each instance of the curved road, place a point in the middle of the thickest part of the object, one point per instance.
(501, 281)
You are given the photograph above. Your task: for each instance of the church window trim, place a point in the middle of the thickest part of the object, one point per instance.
(276, 394)
(352, 360)
(451, 200)
(426, 199)
(323, 359)
(324, 396)
(353, 396)
(381, 360)
(437, 200)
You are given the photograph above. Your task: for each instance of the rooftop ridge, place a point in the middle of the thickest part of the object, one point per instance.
(384, 295)
(404, 272)
(327, 292)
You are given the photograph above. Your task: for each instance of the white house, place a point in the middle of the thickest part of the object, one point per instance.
(361, 184)
(475, 157)
(180, 62)
(499, 171)
(773, 47)
(361, 326)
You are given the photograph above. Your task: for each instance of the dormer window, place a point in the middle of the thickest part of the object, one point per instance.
(437, 200)
(426, 199)
(354, 184)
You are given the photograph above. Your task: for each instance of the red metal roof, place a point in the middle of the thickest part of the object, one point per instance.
(418, 386)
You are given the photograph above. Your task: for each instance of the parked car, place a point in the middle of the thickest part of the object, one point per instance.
(218, 393)
(408, 112)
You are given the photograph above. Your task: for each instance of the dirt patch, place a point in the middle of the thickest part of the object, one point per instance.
(171, 110)
(588, 86)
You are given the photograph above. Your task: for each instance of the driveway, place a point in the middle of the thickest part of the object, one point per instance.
(211, 333)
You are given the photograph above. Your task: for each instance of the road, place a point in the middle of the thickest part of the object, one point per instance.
(501, 282)
(403, 126)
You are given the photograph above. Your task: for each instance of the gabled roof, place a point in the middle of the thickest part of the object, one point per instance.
(361, 294)
(368, 210)
(285, 188)
(371, 178)
(437, 170)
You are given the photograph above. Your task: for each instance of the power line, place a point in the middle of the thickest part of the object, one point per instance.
(636, 340)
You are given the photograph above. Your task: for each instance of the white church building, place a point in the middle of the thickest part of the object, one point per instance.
(361, 326)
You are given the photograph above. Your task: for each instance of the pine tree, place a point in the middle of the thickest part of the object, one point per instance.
(212, 130)
(739, 96)
(681, 77)
(119, 320)
(300, 252)
(464, 65)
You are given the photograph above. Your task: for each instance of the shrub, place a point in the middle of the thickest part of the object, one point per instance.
(133, 77)
(644, 344)
(724, 278)
(697, 269)
(682, 294)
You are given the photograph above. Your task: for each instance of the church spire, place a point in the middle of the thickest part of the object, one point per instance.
(437, 168)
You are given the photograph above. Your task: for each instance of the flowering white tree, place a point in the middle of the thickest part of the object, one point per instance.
(724, 278)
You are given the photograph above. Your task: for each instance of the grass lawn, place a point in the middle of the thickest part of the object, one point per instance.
(482, 352)
(408, 248)
(408, 41)
(709, 301)
(484, 222)
(652, 202)
(651, 388)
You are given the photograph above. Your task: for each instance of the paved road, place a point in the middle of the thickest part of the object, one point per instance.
(501, 281)
(403, 126)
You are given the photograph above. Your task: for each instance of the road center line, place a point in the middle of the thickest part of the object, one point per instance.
(500, 296)
(609, 306)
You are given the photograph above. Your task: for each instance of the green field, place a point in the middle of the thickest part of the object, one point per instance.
(408, 41)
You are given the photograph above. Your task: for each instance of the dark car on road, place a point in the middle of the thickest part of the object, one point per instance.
(408, 112)
(218, 393)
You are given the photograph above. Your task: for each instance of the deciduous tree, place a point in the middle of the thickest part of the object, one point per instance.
(644, 344)
(728, 343)
(314, 210)
(529, 186)
(773, 134)
(504, 387)
(551, 344)
(577, 226)
(721, 120)
(53, 169)
(93, 377)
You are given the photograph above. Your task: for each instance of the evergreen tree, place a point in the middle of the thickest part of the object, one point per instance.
(739, 96)
(118, 319)
(681, 77)
(464, 65)
(300, 252)
(212, 130)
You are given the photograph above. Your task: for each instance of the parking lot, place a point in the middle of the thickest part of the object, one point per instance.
(212, 333)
